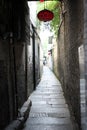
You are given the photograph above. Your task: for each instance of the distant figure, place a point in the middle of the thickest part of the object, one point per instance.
(44, 60)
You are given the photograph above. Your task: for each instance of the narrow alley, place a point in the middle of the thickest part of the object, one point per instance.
(43, 65)
(49, 109)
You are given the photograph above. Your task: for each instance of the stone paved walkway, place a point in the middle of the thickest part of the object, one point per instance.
(49, 110)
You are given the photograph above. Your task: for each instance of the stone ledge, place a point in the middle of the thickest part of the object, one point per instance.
(22, 116)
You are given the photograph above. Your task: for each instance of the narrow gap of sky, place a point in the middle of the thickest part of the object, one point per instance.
(44, 32)
(33, 17)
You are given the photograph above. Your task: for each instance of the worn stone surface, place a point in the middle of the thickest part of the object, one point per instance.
(4, 77)
(22, 116)
(48, 127)
(15, 125)
(84, 127)
(47, 111)
(66, 62)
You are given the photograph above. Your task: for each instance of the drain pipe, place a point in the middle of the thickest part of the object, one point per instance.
(12, 54)
(34, 75)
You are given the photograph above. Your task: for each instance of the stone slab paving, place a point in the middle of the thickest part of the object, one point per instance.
(49, 110)
(48, 127)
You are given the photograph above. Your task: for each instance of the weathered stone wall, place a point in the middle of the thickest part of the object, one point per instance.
(82, 86)
(37, 58)
(41, 60)
(55, 57)
(4, 101)
(8, 107)
(85, 50)
(16, 59)
(20, 72)
(30, 69)
(61, 53)
(73, 38)
(70, 36)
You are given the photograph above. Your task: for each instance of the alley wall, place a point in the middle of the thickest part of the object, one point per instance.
(70, 37)
(85, 51)
(4, 76)
(20, 68)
